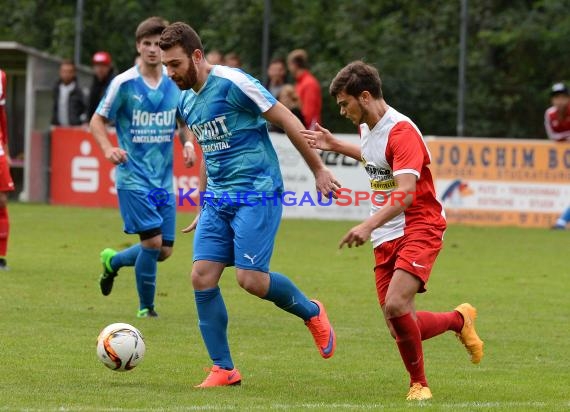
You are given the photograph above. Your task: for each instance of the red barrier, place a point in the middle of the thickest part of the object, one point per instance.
(81, 176)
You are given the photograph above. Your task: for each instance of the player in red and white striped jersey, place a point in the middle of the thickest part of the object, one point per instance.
(406, 222)
(6, 183)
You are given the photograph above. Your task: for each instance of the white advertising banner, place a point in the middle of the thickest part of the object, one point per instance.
(300, 199)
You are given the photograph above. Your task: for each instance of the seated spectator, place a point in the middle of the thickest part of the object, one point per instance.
(103, 73)
(277, 76)
(68, 99)
(557, 117)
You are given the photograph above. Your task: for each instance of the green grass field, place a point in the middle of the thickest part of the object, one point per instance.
(52, 311)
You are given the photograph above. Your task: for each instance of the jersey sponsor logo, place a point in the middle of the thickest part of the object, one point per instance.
(214, 147)
(212, 130)
(380, 178)
(146, 119)
(384, 185)
(152, 139)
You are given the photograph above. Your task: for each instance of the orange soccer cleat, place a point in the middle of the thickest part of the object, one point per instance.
(322, 331)
(418, 392)
(468, 336)
(221, 377)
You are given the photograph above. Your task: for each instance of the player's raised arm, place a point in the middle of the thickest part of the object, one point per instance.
(323, 139)
(281, 116)
(98, 128)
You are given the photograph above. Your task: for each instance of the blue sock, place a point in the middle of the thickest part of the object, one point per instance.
(145, 273)
(213, 323)
(288, 297)
(126, 257)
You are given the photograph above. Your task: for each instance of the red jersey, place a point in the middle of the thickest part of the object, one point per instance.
(557, 127)
(309, 91)
(395, 146)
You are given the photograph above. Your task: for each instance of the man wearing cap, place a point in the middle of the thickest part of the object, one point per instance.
(557, 125)
(557, 117)
(103, 74)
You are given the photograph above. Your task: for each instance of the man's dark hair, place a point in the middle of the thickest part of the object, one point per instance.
(181, 34)
(150, 27)
(355, 78)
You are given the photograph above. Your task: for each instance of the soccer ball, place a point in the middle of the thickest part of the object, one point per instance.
(120, 347)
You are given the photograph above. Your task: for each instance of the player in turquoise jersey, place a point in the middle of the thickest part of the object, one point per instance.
(227, 110)
(142, 103)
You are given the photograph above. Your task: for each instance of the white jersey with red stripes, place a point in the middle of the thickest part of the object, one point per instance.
(395, 146)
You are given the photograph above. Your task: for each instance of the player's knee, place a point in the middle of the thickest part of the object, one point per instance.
(395, 306)
(199, 280)
(249, 284)
(391, 329)
(165, 253)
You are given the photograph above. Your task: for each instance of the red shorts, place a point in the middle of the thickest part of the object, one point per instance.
(414, 252)
(6, 183)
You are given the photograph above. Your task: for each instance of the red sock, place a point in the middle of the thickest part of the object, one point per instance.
(4, 230)
(409, 343)
(435, 323)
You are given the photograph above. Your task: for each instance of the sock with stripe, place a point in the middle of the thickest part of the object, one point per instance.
(285, 295)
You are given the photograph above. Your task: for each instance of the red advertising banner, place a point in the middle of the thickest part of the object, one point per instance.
(81, 176)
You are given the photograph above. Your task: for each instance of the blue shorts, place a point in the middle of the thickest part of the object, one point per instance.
(241, 235)
(141, 212)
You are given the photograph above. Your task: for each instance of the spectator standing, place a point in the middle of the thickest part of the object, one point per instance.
(6, 183)
(103, 73)
(232, 59)
(215, 57)
(307, 87)
(557, 125)
(288, 96)
(276, 76)
(69, 101)
(557, 116)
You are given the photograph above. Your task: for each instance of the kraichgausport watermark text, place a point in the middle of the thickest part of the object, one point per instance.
(344, 197)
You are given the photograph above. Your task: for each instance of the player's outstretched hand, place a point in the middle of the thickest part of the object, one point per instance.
(116, 155)
(327, 183)
(320, 138)
(356, 236)
(192, 225)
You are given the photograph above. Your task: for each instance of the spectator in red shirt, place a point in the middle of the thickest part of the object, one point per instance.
(557, 125)
(557, 117)
(307, 87)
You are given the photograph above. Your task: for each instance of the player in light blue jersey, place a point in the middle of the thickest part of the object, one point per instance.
(142, 103)
(227, 110)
